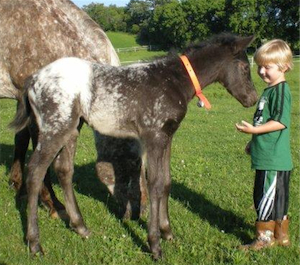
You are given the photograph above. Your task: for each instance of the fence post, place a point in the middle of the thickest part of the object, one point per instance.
(252, 61)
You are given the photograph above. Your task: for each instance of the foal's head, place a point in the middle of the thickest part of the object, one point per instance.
(235, 70)
(223, 59)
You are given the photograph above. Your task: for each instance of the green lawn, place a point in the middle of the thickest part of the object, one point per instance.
(122, 40)
(125, 40)
(210, 204)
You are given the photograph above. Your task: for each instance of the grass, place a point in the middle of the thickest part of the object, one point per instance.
(122, 40)
(210, 204)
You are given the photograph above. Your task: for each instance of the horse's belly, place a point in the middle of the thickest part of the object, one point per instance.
(112, 125)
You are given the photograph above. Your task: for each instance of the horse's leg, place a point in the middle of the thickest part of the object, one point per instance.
(64, 169)
(143, 189)
(16, 173)
(48, 197)
(156, 154)
(164, 221)
(40, 160)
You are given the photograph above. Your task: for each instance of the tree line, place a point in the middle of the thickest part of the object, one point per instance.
(174, 23)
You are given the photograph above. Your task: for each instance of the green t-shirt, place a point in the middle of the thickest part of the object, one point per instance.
(271, 151)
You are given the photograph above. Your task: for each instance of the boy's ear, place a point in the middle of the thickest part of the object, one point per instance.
(285, 69)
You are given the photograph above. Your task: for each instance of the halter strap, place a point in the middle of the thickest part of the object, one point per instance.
(195, 81)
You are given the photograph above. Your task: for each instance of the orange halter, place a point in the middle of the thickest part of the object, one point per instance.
(195, 82)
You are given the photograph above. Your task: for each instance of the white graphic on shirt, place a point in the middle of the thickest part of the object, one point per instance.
(258, 118)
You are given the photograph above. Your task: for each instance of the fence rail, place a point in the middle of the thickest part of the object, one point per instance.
(137, 48)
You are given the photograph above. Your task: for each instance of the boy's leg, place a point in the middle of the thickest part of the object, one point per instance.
(271, 192)
(264, 198)
(264, 194)
(274, 202)
(282, 203)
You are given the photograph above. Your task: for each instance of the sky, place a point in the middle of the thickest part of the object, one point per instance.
(81, 3)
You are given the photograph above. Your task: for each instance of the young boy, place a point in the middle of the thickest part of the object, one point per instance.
(270, 146)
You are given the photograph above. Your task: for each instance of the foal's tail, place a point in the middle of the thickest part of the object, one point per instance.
(22, 117)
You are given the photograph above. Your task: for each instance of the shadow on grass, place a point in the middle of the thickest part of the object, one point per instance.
(86, 183)
(217, 217)
(6, 156)
(223, 220)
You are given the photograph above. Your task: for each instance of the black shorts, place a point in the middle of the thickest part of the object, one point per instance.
(271, 194)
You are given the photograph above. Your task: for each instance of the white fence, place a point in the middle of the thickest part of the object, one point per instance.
(137, 48)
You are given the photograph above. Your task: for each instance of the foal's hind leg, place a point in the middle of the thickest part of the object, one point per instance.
(22, 138)
(48, 197)
(64, 168)
(40, 160)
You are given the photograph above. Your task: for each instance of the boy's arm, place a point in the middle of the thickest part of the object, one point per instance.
(270, 126)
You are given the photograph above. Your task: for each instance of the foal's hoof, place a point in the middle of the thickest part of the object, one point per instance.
(84, 232)
(167, 236)
(157, 255)
(36, 250)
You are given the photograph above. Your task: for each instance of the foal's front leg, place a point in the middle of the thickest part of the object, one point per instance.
(64, 168)
(164, 220)
(158, 183)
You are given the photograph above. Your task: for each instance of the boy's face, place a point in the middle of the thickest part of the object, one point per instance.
(271, 74)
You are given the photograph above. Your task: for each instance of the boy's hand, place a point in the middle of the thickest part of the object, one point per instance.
(245, 127)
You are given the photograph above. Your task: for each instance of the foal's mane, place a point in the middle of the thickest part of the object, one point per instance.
(223, 39)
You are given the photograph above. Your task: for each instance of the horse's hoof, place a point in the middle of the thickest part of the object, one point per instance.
(54, 214)
(15, 183)
(62, 214)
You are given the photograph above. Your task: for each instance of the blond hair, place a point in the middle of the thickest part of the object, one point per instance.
(275, 51)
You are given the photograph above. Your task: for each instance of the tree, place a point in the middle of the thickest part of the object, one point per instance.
(109, 18)
(203, 18)
(176, 22)
(246, 17)
(168, 26)
(138, 13)
(284, 22)
(265, 18)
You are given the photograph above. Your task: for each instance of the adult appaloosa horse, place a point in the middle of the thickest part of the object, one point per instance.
(34, 33)
(145, 102)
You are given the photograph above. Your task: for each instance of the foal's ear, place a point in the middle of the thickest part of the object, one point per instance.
(242, 43)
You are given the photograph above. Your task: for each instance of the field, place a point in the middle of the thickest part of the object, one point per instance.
(211, 207)
(120, 40)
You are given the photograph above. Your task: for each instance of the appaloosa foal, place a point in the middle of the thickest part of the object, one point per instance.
(145, 102)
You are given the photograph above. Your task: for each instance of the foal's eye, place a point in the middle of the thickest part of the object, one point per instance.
(244, 66)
